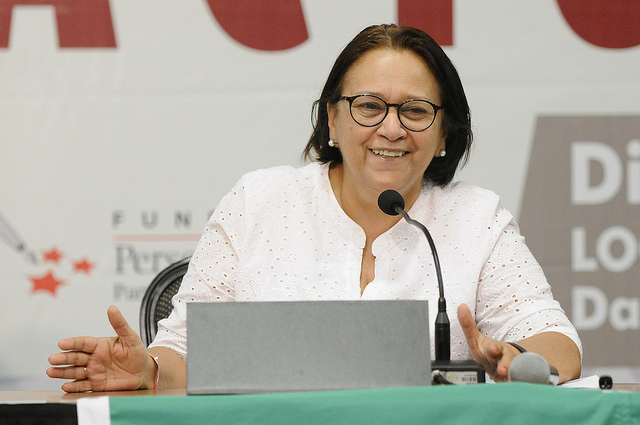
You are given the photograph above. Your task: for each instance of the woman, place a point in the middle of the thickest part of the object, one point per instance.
(392, 115)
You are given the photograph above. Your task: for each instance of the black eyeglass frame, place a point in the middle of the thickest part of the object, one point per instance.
(398, 106)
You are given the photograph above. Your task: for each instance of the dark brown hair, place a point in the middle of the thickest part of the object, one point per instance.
(456, 119)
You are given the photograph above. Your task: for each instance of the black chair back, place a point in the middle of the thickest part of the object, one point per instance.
(156, 303)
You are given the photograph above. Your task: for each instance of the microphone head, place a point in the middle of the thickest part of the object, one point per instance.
(531, 368)
(389, 200)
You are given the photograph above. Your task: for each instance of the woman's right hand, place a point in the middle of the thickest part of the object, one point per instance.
(104, 364)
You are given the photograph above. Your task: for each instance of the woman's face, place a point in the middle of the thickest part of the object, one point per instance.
(386, 156)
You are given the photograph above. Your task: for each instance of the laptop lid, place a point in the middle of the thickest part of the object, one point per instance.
(253, 347)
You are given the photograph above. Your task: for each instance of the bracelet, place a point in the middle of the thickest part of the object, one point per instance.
(155, 360)
(518, 347)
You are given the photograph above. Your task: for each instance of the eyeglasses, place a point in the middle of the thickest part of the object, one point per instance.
(369, 110)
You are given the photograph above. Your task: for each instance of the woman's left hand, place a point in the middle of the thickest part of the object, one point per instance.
(495, 356)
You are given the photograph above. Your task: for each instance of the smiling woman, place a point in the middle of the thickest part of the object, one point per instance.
(392, 115)
(443, 83)
(388, 154)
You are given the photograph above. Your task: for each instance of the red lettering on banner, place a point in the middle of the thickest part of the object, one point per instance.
(81, 23)
(272, 25)
(612, 24)
(435, 17)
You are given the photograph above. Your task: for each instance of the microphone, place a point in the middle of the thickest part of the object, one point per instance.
(532, 368)
(444, 370)
(392, 203)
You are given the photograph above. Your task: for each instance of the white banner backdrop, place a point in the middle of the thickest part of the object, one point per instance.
(112, 158)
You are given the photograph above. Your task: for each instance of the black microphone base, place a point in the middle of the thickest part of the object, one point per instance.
(458, 372)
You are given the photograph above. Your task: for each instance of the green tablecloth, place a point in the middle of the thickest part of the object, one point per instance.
(512, 403)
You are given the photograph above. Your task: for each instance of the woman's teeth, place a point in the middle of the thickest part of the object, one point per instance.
(388, 153)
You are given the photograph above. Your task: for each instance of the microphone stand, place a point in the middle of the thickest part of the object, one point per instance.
(443, 370)
(442, 335)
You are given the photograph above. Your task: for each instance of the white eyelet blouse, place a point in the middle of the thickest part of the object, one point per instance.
(280, 234)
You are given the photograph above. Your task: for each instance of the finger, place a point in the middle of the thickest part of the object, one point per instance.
(508, 354)
(494, 351)
(52, 372)
(69, 372)
(469, 327)
(75, 358)
(121, 326)
(86, 344)
(491, 350)
(485, 353)
(77, 386)
(495, 355)
(502, 369)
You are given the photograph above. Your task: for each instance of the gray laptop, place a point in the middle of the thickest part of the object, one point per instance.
(255, 347)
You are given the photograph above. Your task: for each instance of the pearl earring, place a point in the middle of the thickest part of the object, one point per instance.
(442, 153)
(332, 144)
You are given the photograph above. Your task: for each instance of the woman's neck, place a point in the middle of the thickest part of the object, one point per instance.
(360, 205)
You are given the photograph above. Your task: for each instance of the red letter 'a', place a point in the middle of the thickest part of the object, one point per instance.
(81, 23)
(613, 24)
(262, 25)
(435, 17)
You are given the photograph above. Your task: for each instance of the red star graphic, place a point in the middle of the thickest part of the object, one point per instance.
(46, 283)
(53, 255)
(83, 266)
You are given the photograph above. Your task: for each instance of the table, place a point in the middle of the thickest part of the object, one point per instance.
(55, 407)
(500, 403)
